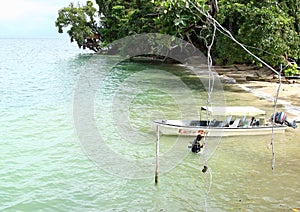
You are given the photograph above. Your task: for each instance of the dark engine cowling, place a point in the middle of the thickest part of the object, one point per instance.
(281, 118)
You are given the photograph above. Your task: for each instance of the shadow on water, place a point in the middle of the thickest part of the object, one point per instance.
(127, 68)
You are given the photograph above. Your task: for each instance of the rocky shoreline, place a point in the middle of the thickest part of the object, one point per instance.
(263, 83)
(245, 73)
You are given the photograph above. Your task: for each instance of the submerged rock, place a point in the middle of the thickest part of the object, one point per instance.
(227, 80)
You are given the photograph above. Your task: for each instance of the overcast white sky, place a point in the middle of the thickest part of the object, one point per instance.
(31, 18)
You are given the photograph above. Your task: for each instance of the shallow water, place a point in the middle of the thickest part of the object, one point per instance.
(45, 165)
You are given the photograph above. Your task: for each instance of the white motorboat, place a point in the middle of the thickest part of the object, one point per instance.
(227, 121)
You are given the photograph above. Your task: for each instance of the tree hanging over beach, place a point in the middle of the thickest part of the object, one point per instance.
(270, 28)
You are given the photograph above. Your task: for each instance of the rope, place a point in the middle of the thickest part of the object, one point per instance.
(225, 31)
(208, 103)
(217, 26)
(252, 47)
(211, 81)
(209, 188)
(272, 138)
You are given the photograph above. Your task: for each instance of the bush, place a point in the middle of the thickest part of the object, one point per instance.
(291, 70)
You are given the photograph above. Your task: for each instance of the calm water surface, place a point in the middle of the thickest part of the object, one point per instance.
(44, 166)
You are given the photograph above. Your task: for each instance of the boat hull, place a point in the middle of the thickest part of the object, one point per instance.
(171, 129)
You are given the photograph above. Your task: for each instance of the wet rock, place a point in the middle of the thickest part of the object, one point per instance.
(227, 80)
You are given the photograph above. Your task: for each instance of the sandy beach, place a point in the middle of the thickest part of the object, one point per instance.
(261, 82)
(288, 99)
(287, 92)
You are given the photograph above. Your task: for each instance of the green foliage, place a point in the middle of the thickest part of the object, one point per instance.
(291, 70)
(270, 27)
(121, 18)
(263, 25)
(80, 22)
(178, 18)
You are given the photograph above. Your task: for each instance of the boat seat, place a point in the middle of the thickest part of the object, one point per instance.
(235, 123)
(227, 122)
(243, 122)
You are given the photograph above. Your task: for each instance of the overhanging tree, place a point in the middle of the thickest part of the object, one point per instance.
(270, 27)
(82, 25)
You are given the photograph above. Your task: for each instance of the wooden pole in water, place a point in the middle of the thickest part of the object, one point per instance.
(157, 154)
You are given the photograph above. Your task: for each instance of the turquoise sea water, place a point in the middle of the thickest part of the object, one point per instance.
(44, 165)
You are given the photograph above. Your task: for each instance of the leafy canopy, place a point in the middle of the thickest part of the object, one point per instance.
(270, 27)
(80, 21)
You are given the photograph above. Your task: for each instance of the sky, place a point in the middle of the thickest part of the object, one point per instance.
(31, 18)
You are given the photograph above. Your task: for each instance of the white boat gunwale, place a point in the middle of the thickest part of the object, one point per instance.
(184, 127)
(211, 127)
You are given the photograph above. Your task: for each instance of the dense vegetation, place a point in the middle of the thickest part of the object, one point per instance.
(271, 28)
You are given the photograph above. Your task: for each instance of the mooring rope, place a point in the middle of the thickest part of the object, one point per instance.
(217, 26)
(211, 82)
(223, 30)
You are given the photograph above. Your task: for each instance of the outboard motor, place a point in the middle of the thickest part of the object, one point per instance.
(196, 147)
(281, 118)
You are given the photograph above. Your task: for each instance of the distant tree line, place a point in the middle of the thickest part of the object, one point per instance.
(269, 28)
